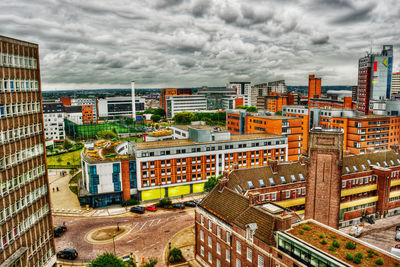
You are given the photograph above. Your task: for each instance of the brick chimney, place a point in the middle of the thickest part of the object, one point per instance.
(253, 198)
(274, 165)
(302, 160)
(222, 183)
(395, 148)
(235, 166)
(225, 174)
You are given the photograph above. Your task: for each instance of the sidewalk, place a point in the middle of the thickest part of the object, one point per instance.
(379, 225)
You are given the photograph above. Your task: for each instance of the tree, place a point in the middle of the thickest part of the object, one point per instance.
(106, 134)
(150, 110)
(159, 111)
(252, 109)
(184, 117)
(107, 260)
(67, 145)
(211, 183)
(155, 118)
(278, 113)
(151, 263)
(175, 255)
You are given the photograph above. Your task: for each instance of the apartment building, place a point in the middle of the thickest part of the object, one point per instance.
(89, 109)
(337, 199)
(395, 83)
(242, 89)
(241, 122)
(179, 103)
(314, 87)
(53, 118)
(273, 102)
(308, 119)
(26, 226)
(115, 107)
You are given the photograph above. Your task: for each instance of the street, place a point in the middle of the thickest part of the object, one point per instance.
(148, 235)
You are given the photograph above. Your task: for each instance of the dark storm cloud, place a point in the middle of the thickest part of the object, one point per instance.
(95, 44)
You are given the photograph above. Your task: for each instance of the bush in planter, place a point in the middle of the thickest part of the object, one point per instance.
(359, 255)
(379, 261)
(175, 255)
(130, 202)
(357, 260)
(349, 256)
(350, 245)
(323, 242)
(306, 227)
(336, 243)
(164, 203)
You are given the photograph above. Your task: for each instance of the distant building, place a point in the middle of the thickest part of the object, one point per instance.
(115, 107)
(242, 89)
(314, 87)
(89, 108)
(217, 97)
(374, 78)
(395, 83)
(74, 114)
(179, 103)
(53, 118)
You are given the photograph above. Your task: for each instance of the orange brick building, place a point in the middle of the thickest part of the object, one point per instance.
(87, 114)
(272, 103)
(314, 87)
(170, 92)
(250, 123)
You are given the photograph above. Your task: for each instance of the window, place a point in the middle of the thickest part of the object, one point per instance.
(249, 254)
(301, 177)
(238, 263)
(271, 181)
(287, 193)
(210, 225)
(228, 238)
(293, 178)
(261, 181)
(202, 219)
(260, 261)
(210, 241)
(228, 255)
(218, 248)
(201, 235)
(209, 257)
(238, 247)
(218, 263)
(218, 231)
(201, 250)
(273, 196)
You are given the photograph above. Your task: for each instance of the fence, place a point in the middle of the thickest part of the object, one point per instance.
(63, 166)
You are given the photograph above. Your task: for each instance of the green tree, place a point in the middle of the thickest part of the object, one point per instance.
(252, 109)
(107, 260)
(184, 117)
(106, 134)
(211, 183)
(155, 118)
(159, 111)
(175, 255)
(278, 113)
(151, 263)
(150, 110)
(67, 145)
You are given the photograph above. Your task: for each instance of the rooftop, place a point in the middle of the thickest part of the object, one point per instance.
(104, 150)
(189, 142)
(313, 234)
(204, 127)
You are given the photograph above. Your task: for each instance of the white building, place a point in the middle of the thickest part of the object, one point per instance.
(111, 107)
(179, 103)
(242, 89)
(396, 83)
(74, 114)
(86, 102)
(53, 117)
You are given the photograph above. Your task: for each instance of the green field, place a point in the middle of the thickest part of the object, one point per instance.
(74, 158)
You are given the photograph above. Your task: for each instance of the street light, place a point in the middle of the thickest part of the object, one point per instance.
(118, 226)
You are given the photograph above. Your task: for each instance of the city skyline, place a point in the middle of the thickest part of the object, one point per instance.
(94, 45)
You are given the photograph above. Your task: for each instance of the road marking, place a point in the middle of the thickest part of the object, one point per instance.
(143, 225)
(159, 220)
(151, 222)
(136, 224)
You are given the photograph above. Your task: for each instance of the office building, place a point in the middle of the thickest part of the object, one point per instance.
(53, 117)
(217, 97)
(374, 78)
(174, 167)
(242, 89)
(172, 92)
(89, 108)
(114, 107)
(179, 103)
(314, 87)
(26, 226)
(395, 83)
(241, 122)
(272, 103)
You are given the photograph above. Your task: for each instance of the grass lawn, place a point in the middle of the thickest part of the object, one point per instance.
(74, 158)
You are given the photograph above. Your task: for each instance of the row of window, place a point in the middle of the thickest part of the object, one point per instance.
(18, 85)
(20, 180)
(22, 203)
(19, 109)
(351, 183)
(16, 61)
(20, 156)
(8, 238)
(18, 133)
(46, 257)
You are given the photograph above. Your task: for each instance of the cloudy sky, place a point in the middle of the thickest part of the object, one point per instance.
(178, 43)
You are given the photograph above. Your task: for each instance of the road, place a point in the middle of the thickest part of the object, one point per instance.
(148, 236)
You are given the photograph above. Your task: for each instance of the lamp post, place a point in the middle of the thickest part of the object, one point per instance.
(114, 242)
(118, 226)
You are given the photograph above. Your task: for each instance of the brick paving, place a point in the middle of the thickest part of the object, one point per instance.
(149, 234)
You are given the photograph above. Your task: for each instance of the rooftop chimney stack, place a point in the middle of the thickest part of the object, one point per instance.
(274, 165)
(253, 198)
(133, 101)
(222, 183)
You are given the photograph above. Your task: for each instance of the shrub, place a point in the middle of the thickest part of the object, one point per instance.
(175, 255)
(323, 242)
(130, 202)
(321, 235)
(164, 203)
(306, 227)
(336, 244)
(396, 263)
(350, 245)
(370, 255)
(370, 251)
(359, 255)
(332, 248)
(349, 256)
(379, 261)
(357, 260)
(301, 232)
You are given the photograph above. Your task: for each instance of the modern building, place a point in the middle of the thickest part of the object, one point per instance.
(242, 89)
(272, 103)
(179, 103)
(26, 226)
(395, 83)
(374, 78)
(89, 108)
(314, 87)
(172, 167)
(74, 114)
(217, 96)
(114, 107)
(53, 118)
(165, 93)
(241, 122)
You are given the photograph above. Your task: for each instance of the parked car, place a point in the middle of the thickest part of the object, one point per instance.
(397, 237)
(137, 209)
(190, 204)
(397, 246)
(151, 208)
(178, 206)
(59, 230)
(68, 253)
(198, 201)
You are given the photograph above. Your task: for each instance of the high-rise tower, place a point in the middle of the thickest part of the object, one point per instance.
(26, 228)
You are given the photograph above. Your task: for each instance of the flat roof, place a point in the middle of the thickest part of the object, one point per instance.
(188, 142)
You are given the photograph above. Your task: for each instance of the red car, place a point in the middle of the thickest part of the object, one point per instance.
(151, 208)
(397, 246)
